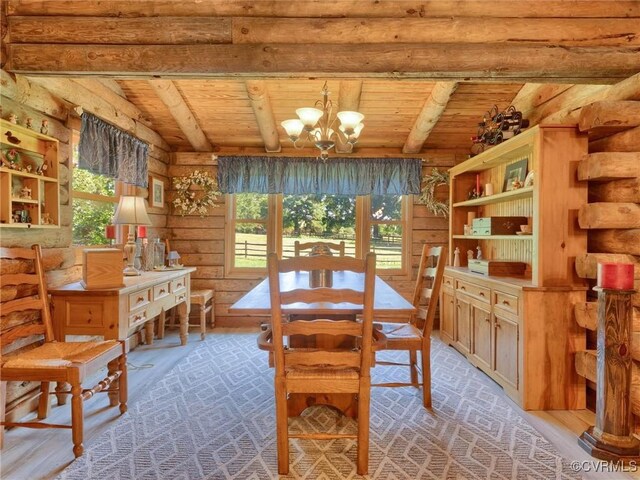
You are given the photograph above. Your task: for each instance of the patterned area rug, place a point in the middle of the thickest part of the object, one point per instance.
(212, 417)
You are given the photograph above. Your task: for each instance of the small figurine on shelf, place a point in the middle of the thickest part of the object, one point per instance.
(13, 118)
(29, 123)
(516, 184)
(25, 193)
(28, 168)
(456, 257)
(41, 169)
(45, 219)
(469, 255)
(479, 254)
(44, 129)
(474, 193)
(15, 217)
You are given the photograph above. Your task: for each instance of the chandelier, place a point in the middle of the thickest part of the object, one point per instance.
(315, 125)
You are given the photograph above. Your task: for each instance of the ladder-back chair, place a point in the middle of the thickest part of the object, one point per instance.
(299, 247)
(67, 363)
(322, 369)
(416, 335)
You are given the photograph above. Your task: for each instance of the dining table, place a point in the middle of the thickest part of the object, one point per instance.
(387, 304)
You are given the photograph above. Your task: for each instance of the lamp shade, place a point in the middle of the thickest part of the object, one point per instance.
(350, 120)
(293, 127)
(309, 116)
(131, 211)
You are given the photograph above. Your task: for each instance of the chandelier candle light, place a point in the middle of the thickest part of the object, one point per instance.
(131, 211)
(315, 125)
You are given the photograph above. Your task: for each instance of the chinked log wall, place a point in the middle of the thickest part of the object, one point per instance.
(27, 98)
(200, 240)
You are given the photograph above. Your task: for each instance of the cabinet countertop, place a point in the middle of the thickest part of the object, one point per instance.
(513, 282)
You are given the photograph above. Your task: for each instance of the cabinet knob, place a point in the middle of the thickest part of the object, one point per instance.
(498, 324)
(505, 302)
(463, 288)
(140, 299)
(481, 294)
(487, 320)
(162, 290)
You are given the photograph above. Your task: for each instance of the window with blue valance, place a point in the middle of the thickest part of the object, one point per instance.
(107, 150)
(337, 176)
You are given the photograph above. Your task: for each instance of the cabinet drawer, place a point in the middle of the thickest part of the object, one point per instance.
(178, 284)
(180, 297)
(447, 281)
(139, 299)
(138, 318)
(482, 293)
(160, 291)
(506, 301)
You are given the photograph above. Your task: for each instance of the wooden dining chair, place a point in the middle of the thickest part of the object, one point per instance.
(299, 247)
(67, 363)
(416, 335)
(332, 369)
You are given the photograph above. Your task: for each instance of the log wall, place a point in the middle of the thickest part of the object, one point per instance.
(200, 240)
(62, 260)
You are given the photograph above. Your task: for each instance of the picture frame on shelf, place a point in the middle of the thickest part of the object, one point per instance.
(514, 175)
(156, 192)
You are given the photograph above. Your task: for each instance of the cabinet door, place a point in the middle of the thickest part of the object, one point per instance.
(462, 324)
(447, 330)
(506, 348)
(481, 338)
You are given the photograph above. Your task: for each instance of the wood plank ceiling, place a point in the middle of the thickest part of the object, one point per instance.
(219, 75)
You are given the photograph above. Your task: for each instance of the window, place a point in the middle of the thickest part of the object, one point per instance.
(260, 223)
(94, 202)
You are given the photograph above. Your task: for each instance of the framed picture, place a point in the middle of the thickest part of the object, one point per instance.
(515, 173)
(156, 192)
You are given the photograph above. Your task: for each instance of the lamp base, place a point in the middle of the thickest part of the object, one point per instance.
(131, 272)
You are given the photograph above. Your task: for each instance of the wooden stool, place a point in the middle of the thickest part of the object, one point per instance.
(202, 298)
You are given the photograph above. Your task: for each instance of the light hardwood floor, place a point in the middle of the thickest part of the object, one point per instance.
(42, 454)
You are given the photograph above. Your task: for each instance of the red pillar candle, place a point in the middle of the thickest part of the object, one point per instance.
(110, 232)
(615, 276)
(142, 231)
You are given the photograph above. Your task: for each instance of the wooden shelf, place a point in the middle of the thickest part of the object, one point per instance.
(493, 237)
(24, 200)
(28, 175)
(497, 198)
(27, 225)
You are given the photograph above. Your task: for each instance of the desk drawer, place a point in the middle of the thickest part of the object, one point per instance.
(139, 299)
(506, 302)
(181, 297)
(483, 293)
(178, 284)
(138, 318)
(160, 291)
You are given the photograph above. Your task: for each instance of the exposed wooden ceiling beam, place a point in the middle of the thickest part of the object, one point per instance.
(113, 85)
(441, 61)
(96, 86)
(336, 8)
(180, 111)
(261, 104)
(71, 29)
(348, 99)
(431, 111)
(77, 94)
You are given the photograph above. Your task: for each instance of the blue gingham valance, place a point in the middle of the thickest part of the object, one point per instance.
(336, 176)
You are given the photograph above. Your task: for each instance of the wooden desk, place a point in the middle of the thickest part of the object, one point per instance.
(386, 302)
(116, 313)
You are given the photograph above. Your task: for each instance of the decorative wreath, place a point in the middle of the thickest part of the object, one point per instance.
(189, 201)
(428, 192)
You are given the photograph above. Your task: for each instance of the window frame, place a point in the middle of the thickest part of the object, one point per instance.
(94, 197)
(274, 229)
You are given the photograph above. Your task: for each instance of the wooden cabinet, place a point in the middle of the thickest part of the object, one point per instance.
(447, 319)
(29, 187)
(506, 340)
(462, 322)
(515, 328)
(482, 332)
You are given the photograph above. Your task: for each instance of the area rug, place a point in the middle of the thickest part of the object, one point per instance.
(212, 417)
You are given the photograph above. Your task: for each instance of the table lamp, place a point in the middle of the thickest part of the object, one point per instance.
(131, 211)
